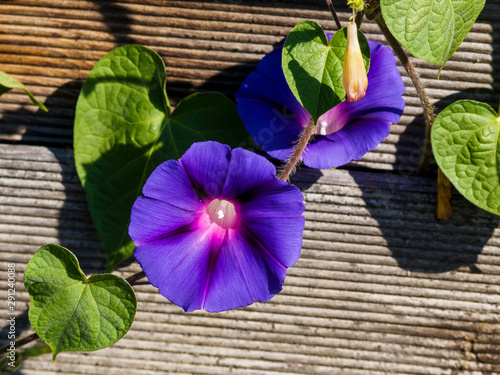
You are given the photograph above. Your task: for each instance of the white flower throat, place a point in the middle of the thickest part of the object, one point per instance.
(222, 213)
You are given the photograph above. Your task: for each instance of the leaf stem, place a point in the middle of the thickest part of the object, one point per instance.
(132, 280)
(334, 13)
(4, 350)
(291, 164)
(429, 115)
(444, 211)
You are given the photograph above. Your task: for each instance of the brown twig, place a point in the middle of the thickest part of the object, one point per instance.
(134, 278)
(444, 211)
(291, 164)
(334, 13)
(4, 350)
(429, 115)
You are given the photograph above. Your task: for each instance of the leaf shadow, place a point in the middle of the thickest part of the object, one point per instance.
(403, 208)
(417, 240)
(156, 94)
(54, 129)
(313, 85)
(117, 19)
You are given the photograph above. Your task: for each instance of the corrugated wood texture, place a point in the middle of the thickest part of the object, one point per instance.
(381, 286)
(207, 45)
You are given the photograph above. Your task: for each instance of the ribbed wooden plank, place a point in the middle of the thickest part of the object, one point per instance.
(381, 286)
(213, 45)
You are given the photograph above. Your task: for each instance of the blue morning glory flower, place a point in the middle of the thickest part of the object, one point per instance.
(274, 117)
(217, 230)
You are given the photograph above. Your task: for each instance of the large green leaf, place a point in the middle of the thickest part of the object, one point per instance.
(124, 129)
(431, 29)
(72, 312)
(7, 83)
(313, 66)
(466, 145)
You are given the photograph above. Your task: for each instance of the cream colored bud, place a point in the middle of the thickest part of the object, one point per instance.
(354, 77)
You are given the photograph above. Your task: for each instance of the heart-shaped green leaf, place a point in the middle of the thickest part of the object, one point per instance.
(7, 82)
(72, 312)
(466, 145)
(124, 129)
(431, 29)
(313, 66)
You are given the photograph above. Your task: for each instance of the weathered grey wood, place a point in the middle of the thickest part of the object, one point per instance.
(212, 45)
(381, 287)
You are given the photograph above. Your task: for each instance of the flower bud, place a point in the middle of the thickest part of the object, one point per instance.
(354, 77)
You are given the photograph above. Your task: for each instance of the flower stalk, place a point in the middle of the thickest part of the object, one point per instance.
(292, 163)
(334, 13)
(132, 280)
(443, 209)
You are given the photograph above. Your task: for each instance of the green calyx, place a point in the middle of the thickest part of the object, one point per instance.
(356, 5)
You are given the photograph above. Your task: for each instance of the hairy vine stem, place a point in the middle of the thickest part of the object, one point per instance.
(443, 210)
(429, 115)
(291, 164)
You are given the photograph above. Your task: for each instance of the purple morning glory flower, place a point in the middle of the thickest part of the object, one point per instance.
(274, 117)
(217, 230)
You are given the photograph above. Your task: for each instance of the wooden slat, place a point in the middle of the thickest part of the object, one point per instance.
(381, 286)
(51, 46)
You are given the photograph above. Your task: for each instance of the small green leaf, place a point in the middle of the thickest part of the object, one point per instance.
(466, 145)
(124, 129)
(7, 82)
(431, 29)
(313, 66)
(72, 312)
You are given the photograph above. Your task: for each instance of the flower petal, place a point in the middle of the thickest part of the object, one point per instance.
(350, 143)
(247, 171)
(152, 219)
(170, 183)
(269, 110)
(270, 129)
(331, 147)
(270, 75)
(196, 262)
(272, 218)
(206, 164)
(243, 274)
(380, 103)
(178, 266)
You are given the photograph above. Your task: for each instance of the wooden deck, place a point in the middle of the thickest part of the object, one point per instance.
(381, 286)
